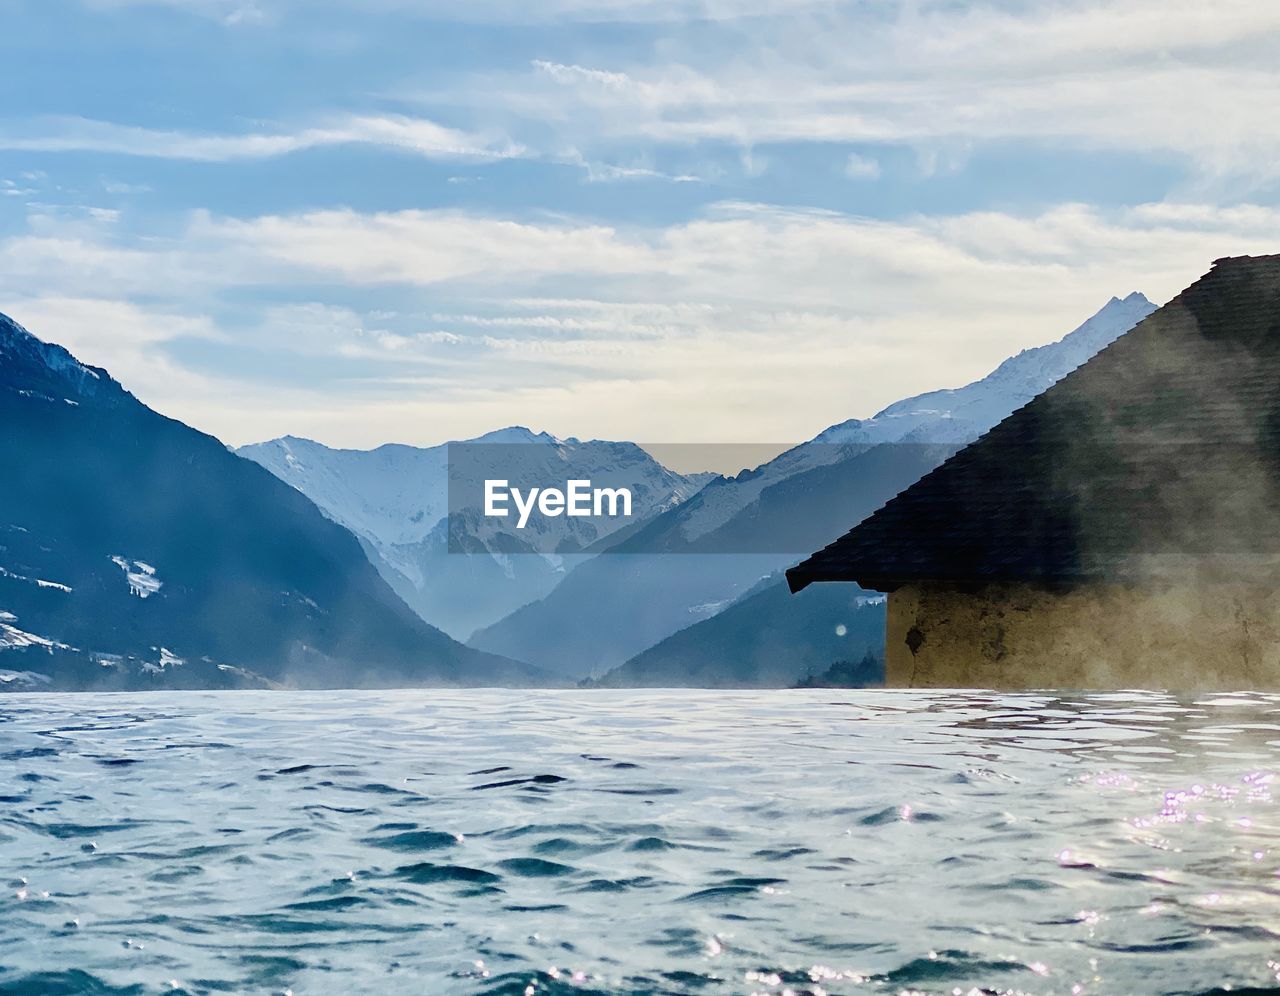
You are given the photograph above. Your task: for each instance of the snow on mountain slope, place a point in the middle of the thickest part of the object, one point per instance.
(947, 416)
(49, 370)
(967, 412)
(140, 576)
(130, 538)
(391, 495)
(396, 500)
(11, 637)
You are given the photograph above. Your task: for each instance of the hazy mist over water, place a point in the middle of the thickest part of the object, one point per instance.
(623, 841)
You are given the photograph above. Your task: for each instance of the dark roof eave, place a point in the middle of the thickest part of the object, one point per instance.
(799, 578)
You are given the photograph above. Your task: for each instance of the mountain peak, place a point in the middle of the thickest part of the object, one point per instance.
(964, 412)
(43, 367)
(112, 500)
(516, 434)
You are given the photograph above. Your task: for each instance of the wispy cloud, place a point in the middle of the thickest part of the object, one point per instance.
(130, 350)
(401, 133)
(407, 134)
(360, 310)
(696, 330)
(1177, 80)
(858, 167)
(610, 172)
(228, 12)
(1172, 77)
(492, 11)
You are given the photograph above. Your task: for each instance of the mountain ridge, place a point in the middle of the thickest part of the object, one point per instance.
(136, 551)
(787, 492)
(400, 502)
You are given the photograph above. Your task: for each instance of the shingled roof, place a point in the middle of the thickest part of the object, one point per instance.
(1161, 451)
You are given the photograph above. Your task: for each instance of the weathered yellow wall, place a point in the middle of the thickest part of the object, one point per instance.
(1175, 636)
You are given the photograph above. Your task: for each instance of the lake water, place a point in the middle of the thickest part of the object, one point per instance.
(614, 841)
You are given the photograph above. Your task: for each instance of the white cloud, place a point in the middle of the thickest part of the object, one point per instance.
(746, 322)
(123, 337)
(1154, 77)
(229, 12)
(417, 136)
(749, 323)
(492, 11)
(12, 188)
(408, 134)
(415, 247)
(858, 167)
(1177, 79)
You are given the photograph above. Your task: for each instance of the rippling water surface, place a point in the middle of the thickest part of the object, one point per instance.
(682, 842)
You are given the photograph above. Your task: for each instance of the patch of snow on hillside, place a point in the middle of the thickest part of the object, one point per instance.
(6, 573)
(12, 638)
(23, 679)
(140, 575)
(167, 660)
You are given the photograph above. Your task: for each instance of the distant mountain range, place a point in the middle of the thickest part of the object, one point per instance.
(455, 568)
(610, 610)
(136, 552)
(692, 562)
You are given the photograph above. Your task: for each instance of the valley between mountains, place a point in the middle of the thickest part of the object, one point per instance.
(138, 552)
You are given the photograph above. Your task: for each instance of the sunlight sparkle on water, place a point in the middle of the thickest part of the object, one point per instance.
(657, 841)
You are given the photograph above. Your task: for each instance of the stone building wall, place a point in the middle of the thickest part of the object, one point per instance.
(1168, 635)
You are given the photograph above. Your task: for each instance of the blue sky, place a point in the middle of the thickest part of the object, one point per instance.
(691, 220)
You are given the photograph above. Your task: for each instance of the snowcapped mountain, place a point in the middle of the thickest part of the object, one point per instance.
(737, 530)
(136, 552)
(458, 569)
(956, 415)
(964, 413)
(48, 372)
